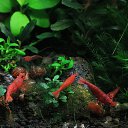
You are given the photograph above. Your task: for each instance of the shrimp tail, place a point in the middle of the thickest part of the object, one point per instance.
(36, 57)
(56, 94)
(113, 104)
(9, 99)
(81, 81)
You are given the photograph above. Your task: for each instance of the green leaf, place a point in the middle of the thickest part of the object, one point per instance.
(61, 58)
(71, 63)
(21, 2)
(6, 32)
(48, 79)
(44, 85)
(45, 35)
(18, 20)
(42, 4)
(2, 40)
(61, 25)
(5, 6)
(25, 34)
(48, 101)
(33, 43)
(32, 49)
(54, 101)
(65, 62)
(2, 90)
(1, 48)
(13, 44)
(41, 17)
(70, 91)
(20, 52)
(72, 4)
(56, 77)
(63, 98)
(55, 65)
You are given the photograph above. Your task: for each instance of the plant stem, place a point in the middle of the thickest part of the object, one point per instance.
(120, 38)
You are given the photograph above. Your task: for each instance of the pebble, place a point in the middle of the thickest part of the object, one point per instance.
(108, 119)
(65, 125)
(82, 126)
(116, 121)
(23, 123)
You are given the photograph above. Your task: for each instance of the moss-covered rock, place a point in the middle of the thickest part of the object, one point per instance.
(77, 102)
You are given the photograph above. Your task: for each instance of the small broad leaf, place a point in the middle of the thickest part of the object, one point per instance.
(5, 6)
(13, 44)
(6, 32)
(33, 43)
(55, 65)
(25, 33)
(1, 48)
(54, 101)
(71, 92)
(2, 90)
(45, 35)
(61, 25)
(2, 40)
(18, 20)
(72, 4)
(63, 98)
(65, 62)
(49, 101)
(71, 63)
(61, 58)
(44, 85)
(50, 93)
(48, 79)
(32, 49)
(21, 2)
(20, 52)
(42, 4)
(56, 77)
(41, 17)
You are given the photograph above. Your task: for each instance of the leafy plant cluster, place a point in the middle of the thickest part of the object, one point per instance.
(62, 64)
(24, 11)
(9, 53)
(51, 85)
(2, 90)
(21, 20)
(52, 82)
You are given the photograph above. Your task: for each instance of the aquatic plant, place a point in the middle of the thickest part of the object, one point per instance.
(46, 88)
(9, 53)
(123, 96)
(62, 64)
(27, 11)
(2, 90)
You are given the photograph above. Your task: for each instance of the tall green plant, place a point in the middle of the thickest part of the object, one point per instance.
(101, 33)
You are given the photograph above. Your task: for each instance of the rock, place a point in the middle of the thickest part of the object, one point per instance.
(65, 125)
(23, 123)
(77, 102)
(108, 118)
(82, 67)
(116, 121)
(82, 126)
